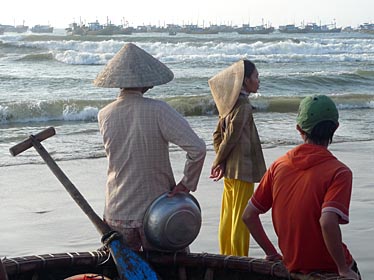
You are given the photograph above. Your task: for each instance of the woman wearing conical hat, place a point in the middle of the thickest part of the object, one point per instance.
(239, 158)
(136, 133)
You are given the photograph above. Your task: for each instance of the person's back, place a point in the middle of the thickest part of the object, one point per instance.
(309, 191)
(136, 135)
(304, 181)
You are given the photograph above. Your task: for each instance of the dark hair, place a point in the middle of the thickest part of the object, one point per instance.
(249, 67)
(322, 133)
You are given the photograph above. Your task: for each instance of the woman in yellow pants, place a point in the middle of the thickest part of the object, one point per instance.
(239, 158)
(233, 233)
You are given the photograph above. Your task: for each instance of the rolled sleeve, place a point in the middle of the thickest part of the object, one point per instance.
(338, 195)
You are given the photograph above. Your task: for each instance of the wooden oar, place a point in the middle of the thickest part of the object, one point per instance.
(129, 264)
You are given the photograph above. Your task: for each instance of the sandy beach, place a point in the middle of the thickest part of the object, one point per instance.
(38, 216)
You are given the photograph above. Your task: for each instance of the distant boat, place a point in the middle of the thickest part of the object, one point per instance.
(92, 28)
(2, 30)
(348, 29)
(16, 29)
(194, 29)
(201, 31)
(21, 28)
(42, 29)
(260, 29)
(121, 30)
(327, 28)
(310, 28)
(366, 28)
(75, 29)
(172, 29)
(290, 28)
(95, 28)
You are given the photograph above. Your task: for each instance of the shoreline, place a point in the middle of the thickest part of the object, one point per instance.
(38, 216)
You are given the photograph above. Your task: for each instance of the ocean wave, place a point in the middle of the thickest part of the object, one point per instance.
(82, 58)
(37, 57)
(274, 49)
(86, 110)
(365, 73)
(45, 111)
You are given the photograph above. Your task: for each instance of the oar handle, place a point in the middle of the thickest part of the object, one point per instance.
(27, 143)
(34, 140)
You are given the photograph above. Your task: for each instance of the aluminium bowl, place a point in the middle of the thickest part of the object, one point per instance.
(172, 223)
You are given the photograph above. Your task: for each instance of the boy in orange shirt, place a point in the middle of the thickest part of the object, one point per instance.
(309, 191)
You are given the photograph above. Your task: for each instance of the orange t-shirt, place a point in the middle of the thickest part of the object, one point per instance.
(299, 186)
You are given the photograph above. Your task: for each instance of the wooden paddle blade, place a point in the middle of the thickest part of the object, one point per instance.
(130, 265)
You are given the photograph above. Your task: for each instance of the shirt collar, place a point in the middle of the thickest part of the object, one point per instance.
(125, 92)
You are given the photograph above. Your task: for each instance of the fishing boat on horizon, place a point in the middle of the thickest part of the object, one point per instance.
(14, 28)
(95, 28)
(259, 29)
(366, 28)
(42, 29)
(309, 28)
(326, 28)
(195, 29)
(290, 28)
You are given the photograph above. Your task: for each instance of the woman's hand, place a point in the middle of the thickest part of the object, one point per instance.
(217, 172)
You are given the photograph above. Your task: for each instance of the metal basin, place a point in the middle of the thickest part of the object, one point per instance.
(172, 223)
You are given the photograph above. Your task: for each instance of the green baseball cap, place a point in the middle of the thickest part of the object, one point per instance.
(315, 109)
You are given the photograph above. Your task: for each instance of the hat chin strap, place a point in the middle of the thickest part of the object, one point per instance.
(244, 92)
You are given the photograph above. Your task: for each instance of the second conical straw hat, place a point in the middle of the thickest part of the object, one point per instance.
(226, 86)
(133, 67)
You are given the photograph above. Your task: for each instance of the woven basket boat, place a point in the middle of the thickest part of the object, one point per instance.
(173, 266)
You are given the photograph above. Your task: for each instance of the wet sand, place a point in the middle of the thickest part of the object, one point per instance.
(38, 216)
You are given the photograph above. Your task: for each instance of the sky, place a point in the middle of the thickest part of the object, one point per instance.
(60, 14)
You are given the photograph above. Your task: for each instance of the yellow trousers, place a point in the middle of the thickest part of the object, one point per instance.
(233, 233)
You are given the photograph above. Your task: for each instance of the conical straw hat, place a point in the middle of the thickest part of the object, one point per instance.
(133, 67)
(226, 86)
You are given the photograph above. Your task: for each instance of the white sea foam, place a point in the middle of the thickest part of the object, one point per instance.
(276, 50)
(73, 114)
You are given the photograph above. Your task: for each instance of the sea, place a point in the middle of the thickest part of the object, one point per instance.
(46, 80)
